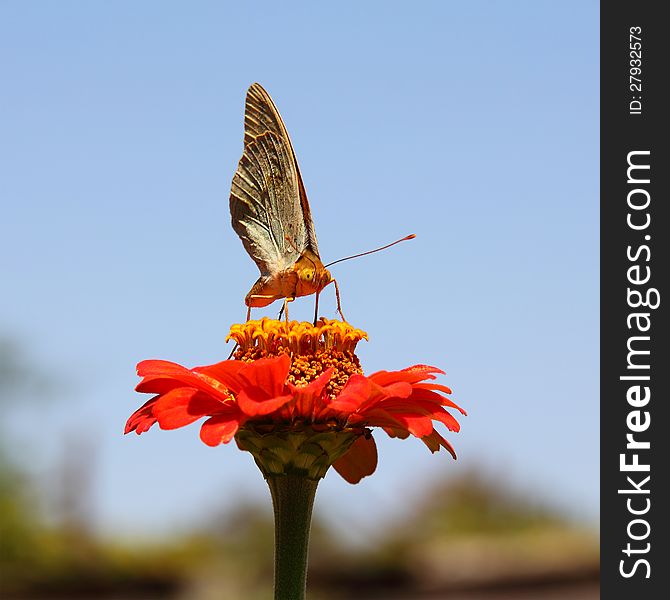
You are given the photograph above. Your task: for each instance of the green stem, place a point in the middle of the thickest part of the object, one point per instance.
(292, 499)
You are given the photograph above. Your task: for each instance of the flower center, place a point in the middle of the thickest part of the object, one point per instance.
(312, 348)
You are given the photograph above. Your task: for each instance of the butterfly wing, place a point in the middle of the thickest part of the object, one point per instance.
(265, 204)
(261, 115)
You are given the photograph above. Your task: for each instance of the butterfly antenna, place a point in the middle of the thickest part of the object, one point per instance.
(408, 237)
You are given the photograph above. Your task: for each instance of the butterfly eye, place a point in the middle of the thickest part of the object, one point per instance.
(307, 275)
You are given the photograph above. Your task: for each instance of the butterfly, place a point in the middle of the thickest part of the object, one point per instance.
(270, 211)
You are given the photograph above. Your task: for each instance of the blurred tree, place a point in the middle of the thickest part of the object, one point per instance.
(19, 535)
(476, 503)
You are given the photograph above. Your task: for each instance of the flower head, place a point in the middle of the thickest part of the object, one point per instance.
(294, 395)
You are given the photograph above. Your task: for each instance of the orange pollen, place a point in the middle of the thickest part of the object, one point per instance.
(312, 348)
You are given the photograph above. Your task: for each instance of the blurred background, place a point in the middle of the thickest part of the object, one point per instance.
(473, 125)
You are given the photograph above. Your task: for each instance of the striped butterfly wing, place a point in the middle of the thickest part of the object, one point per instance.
(261, 115)
(265, 204)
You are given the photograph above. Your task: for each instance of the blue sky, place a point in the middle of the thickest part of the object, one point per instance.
(474, 125)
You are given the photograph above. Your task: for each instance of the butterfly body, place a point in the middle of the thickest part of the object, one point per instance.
(307, 276)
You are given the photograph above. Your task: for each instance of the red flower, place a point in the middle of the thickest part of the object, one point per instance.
(261, 397)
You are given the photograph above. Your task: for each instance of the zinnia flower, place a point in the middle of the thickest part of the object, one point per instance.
(294, 395)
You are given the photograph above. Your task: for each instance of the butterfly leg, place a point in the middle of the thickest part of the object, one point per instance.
(316, 307)
(235, 347)
(248, 312)
(339, 304)
(284, 309)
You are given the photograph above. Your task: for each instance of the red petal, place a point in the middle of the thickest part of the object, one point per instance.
(421, 393)
(156, 372)
(264, 387)
(360, 395)
(308, 399)
(445, 418)
(397, 433)
(399, 389)
(356, 391)
(412, 374)
(157, 385)
(219, 429)
(226, 373)
(416, 424)
(433, 386)
(158, 376)
(254, 403)
(143, 418)
(434, 441)
(183, 406)
(360, 461)
(419, 426)
(376, 418)
(418, 408)
(267, 374)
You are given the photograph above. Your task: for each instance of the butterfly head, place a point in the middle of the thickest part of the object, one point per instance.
(309, 276)
(312, 275)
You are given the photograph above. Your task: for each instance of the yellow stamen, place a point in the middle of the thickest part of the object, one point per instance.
(312, 348)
